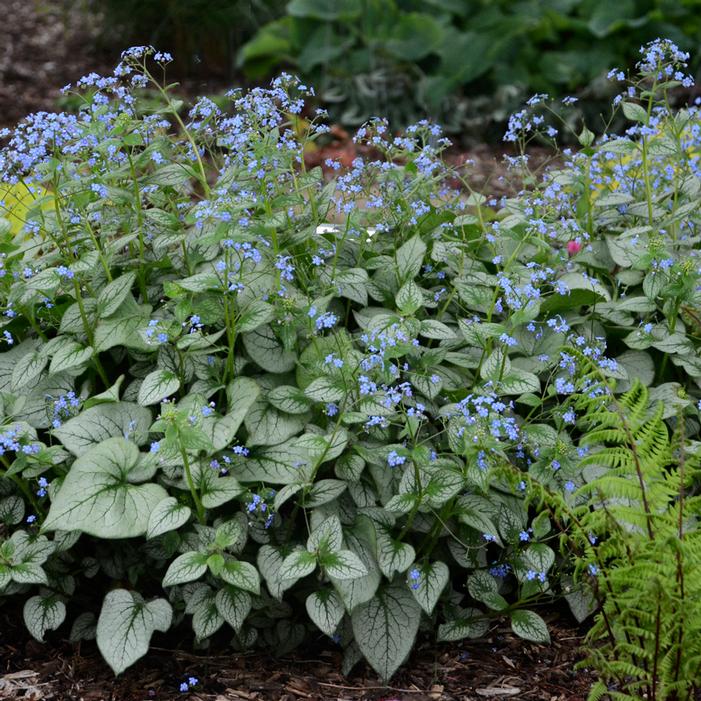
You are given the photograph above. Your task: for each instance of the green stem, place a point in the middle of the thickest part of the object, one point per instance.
(191, 484)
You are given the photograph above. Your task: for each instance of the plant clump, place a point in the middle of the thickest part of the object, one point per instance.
(241, 397)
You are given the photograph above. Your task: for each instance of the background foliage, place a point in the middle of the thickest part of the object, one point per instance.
(466, 63)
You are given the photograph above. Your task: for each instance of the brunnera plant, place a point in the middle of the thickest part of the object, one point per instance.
(239, 396)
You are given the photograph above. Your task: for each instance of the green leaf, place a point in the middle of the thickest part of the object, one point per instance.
(409, 298)
(325, 389)
(470, 624)
(70, 355)
(483, 587)
(157, 386)
(216, 490)
(98, 423)
(242, 575)
(529, 626)
(409, 258)
(254, 315)
(325, 608)
(325, 9)
(122, 330)
(352, 284)
(42, 613)
(233, 606)
(97, 497)
(297, 565)
(206, 619)
(168, 515)
(264, 348)
(392, 555)
(269, 562)
(430, 328)
(385, 628)
(328, 535)
(343, 564)
(324, 491)
(185, 568)
(113, 294)
(27, 369)
(634, 112)
(414, 36)
(241, 393)
(433, 580)
(126, 624)
(519, 381)
(289, 399)
(268, 426)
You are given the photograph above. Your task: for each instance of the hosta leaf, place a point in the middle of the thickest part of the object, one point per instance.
(385, 628)
(157, 386)
(529, 626)
(168, 515)
(233, 605)
(42, 613)
(325, 608)
(185, 568)
(126, 624)
(98, 498)
(428, 588)
(98, 423)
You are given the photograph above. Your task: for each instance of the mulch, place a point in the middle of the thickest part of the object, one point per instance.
(499, 666)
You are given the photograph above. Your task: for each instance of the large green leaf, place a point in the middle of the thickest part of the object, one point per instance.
(98, 423)
(325, 9)
(157, 386)
(430, 584)
(529, 626)
(385, 628)
(126, 624)
(266, 350)
(325, 608)
(97, 496)
(42, 613)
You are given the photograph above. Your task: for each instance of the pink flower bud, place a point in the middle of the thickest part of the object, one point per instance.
(573, 247)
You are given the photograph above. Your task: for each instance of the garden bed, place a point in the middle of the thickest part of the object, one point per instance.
(498, 666)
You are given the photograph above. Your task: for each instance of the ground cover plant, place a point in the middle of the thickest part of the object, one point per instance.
(243, 398)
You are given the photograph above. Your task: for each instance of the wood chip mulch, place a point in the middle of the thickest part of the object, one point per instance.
(499, 666)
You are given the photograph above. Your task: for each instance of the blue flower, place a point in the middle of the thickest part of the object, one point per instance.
(394, 459)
